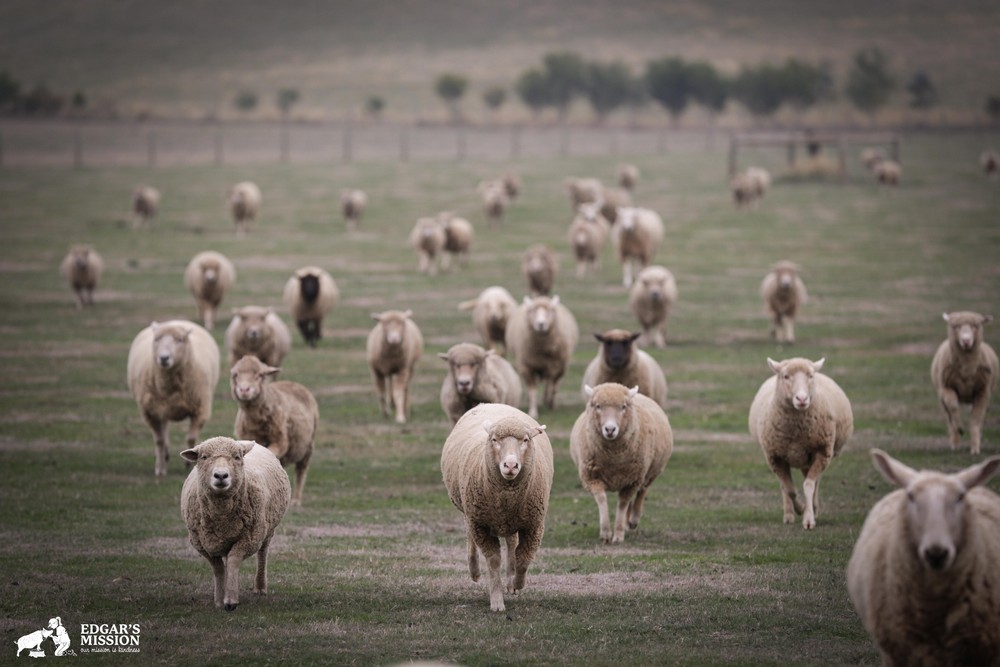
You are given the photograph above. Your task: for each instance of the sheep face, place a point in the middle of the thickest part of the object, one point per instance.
(81, 256)
(465, 362)
(219, 462)
(627, 217)
(617, 345)
(609, 406)
(393, 326)
(169, 344)
(785, 274)
(653, 284)
(965, 329)
(541, 313)
(248, 377)
(210, 272)
(509, 442)
(309, 287)
(497, 312)
(254, 322)
(796, 380)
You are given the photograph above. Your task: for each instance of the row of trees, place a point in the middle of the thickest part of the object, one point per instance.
(36, 101)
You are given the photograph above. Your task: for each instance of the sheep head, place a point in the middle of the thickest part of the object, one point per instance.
(219, 462)
(464, 362)
(509, 443)
(248, 377)
(785, 273)
(610, 405)
(795, 378)
(254, 322)
(541, 313)
(169, 344)
(81, 255)
(309, 287)
(965, 329)
(393, 325)
(210, 271)
(617, 346)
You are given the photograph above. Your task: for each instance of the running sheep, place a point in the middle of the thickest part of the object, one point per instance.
(428, 239)
(783, 293)
(394, 346)
(82, 268)
(540, 267)
(208, 276)
(638, 234)
(491, 311)
(494, 199)
(628, 176)
(619, 360)
(244, 204)
(458, 237)
(476, 376)
(260, 332)
(588, 234)
(542, 334)
(145, 205)
(651, 299)
(310, 295)
(888, 173)
(352, 205)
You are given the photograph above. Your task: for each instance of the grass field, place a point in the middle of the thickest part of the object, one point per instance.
(371, 569)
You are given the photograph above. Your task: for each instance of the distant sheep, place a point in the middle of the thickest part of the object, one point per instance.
(888, 173)
(394, 346)
(540, 267)
(749, 187)
(542, 334)
(82, 268)
(628, 176)
(651, 299)
(583, 191)
(619, 360)
(495, 200)
(458, 237)
(476, 376)
(611, 200)
(512, 185)
(871, 157)
(244, 204)
(588, 234)
(760, 180)
(208, 276)
(260, 332)
(638, 234)
(989, 160)
(491, 311)
(352, 205)
(310, 295)
(428, 239)
(145, 205)
(783, 293)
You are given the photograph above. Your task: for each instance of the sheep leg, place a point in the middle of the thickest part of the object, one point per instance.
(490, 546)
(512, 541)
(624, 500)
(792, 505)
(550, 391)
(532, 383)
(300, 478)
(446, 261)
(777, 328)
(260, 582)
(208, 316)
(80, 299)
(601, 498)
(976, 420)
(635, 508)
(380, 381)
(810, 488)
(473, 554)
(400, 385)
(527, 545)
(232, 597)
(219, 572)
(660, 336)
(789, 323)
(159, 429)
(949, 401)
(627, 272)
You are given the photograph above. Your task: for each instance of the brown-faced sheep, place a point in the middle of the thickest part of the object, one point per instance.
(651, 299)
(783, 293)
(542, 334)
(619, 360)
(145, 205)
(495, 201)
(260, 332)
(491, 311)
(394, 346)
(628, 176)
(428, 239)
(476, 376)
(458, 237)
(638, 234)
(352, 206)
(588, 234)
(82, 268)
(310, 295)
(539, 266)
(208, 276)
(244, 205)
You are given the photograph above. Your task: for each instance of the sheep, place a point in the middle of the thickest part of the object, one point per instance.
(497, 466)
(82, 268)
(541, 334)
(281, 416)
(612, 199)
(628, 176)
(760, 181)
(619, 360)
(620, 442)
(801, 419)
(512, 185)
(458, 237)
(871, 157)
(582, 191)
(394, 346)
(232, 502)
(208, 276)
(310, 294)
(588, 233)
(352, 205)
(244, 204)
(888, 173)
(989, 160)
(540, 267)
(495, 200)
(783, 293)
(145, 205)
(965, 370)
(260, 332)
(428, 239)
(476, 376)
(173, 368)
(491, 311)
(742, 190)
(651, 299)
(638, 234)
(923, 575)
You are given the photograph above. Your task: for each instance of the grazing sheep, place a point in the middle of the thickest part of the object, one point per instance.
(539, 266)
(651, 299)
(588, 233)
(458, 237)
(82, 267)
(497, 467)
(628, 176)
(542, 334)
(871, 157)
(244, 204)
(888, 173)
(620, 442)
(476, 376)
(232, 502)
(495, 200)
(172, 371)
(428, 239)
(583, 191)
(208, 276)
(923, 576)
(490, 312)
(260, 332)
(352, 205)
(310, 294)
(511, 184)
(989, 160)
(145, 204)
(760, 181)
(965, 370)
(611, 200)
(801, 419)
(281, 416)
(394, 346)
(619, 360)
(784, 293)
(638, 234)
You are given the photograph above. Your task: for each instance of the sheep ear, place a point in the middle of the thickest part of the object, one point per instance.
(154, 325)
(944, 316)
(633, 391)
(377, 317)
(588, 390)
(538, 430)
(187, 333)
(487, 425)
(987, 319)
(554, 301)
(190, 455)
(634, 337)
(270, 370)
(817, 365)
(599, 337)
(245, 446)
(443, 355)
(893, 471)
(979, 473)
(774, 365)
(407, 313)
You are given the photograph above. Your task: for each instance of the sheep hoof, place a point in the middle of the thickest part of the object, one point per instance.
(632, 525)
(229, 606)
(789, 518)
(809, 524)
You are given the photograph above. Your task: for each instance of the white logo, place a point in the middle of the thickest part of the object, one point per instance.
(33, 641)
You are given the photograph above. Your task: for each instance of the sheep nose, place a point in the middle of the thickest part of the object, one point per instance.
(221, 476)
(464, 386)
(936, 556)
(253, 334)
(164, 360)
(801, 402)
(610, 431)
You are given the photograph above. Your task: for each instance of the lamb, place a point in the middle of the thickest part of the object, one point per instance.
(620, 442)
(491, 311)
(989, 160)
(208, 276)
(244, 204)
(476, 376)
(495, 200)
(651, 299)
(394, 346)
(539, 266)
(583, 191)
(542, 334)
(619, 360)
(588, 233)
(310, 295)
(628, 176)
(173, 368)
(82, 267)
(871, 157)
(352, 205)
(511, 184)
(281, 416)
(497, 466)
(801, 419)
(458, 237)
(638, 234)
(965, 370)
(145, 205)
(260, 332)
(428, 239)
(923, 576)
(783, 293)
(888, 173)
(232, 502)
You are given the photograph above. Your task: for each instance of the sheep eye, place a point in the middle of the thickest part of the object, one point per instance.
(910, 497)
(961, 497)
(203, 457)
(785, 376)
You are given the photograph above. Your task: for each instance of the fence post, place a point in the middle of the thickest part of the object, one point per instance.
(404, 144)
(151, 148)
(564, 140)
(661, 141)
(283, 142)
(842, 159)
(347, 147)
(734, 147)
(77, 148)
(460, 144)
(217, 144)
(515, 142)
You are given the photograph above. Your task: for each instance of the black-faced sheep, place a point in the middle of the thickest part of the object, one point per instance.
(145, 204)
(491, 311)
(476, 376)
(258, 331)
(310, 295)
(619, 360)
(352, 205)
(783, 293)
(244, 205)
(651, 299)
(208, 276)
(638, 234)
(82, 268)
(539, 266)
(394, 346)
(428, 239)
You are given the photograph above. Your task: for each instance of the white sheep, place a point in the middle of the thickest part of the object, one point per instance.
(989, 160)
(393, 348)
(476, 376)
(620, 442)
(801, 419)
(428, 239)
(871, 156)
(232, 502)
(208, 276)
(145, 205)
(542, 334)
(638, 234)
(965, 370)
(612, 199)
(173, 368)
(760, 181)
(494, 199)
(783, 293)
(743, 191)
(244, 204)
(512, 184)
(628, 176)
(491, 311)
(582, 191)
(281, 416)
(352, 204)
(923, 576)
(310, 295)
(82, 268)
(619, 360)
(540, 266)
(888, 173)
(458, 237)
(258, 331)
(588, 234)
(651, 298)
(497, 466)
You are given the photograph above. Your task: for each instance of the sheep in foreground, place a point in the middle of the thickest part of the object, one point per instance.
(638, 234)
(476, 376)
(620, 442)
(458, 237)
(145, 205)
(244, 204)
(801, 419)
(495, 200)
(208, 276)
(619, 360)
(310, 295)
(539, 266)
(923, 576)
(784, 293)
(651, 299)
(82, 267)
(281, 416)
(628, 176)
(989, 160)
(428, 239)
(583, 191)
(352, 205)
(965, 370)
(491, 311)
(542, 334)
(260, 332)
(588, 234)
(497, 466)
(232, 502)
(173, 368)
(394, 346)
(888, 173)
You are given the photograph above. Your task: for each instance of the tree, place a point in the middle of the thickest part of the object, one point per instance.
(494, 98)
(374, 106)
(245, 101)
(923, 94)
(287, 98)
(41, 101)
(565, 77)
(761, 89)
(669, 84)
(607, 86)
(869, 82)
(450, 88)
(533, 90)
(806, 84)
(707, 87)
